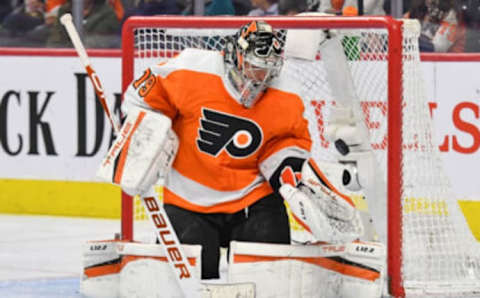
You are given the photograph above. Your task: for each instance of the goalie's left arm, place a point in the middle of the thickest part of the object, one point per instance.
(319, 206)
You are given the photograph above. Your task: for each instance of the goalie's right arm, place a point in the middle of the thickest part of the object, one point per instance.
(146, 146)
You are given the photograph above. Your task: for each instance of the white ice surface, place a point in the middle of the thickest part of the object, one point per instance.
(40, 256)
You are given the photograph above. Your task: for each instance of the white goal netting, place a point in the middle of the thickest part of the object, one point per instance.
(434, 251)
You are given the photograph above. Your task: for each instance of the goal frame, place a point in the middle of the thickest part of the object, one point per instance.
(395, 98)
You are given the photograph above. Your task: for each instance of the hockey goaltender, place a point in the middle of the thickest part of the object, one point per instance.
(224, 133)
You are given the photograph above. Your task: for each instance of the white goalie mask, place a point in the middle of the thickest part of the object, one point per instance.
(252, 59)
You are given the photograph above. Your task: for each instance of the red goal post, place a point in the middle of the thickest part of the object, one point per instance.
(392, 79)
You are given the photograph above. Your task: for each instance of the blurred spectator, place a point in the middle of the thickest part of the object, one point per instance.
(118, 8)
(242, 7)
(101, 26)
(350, 7)
(212, 7)
(23, 19)
(469, 11)
(153, 7)
(442, 27)
(219, 7)
(51, 10)
(5, 9)
(313, 5)
(387, 6)
(52, 7)
(264, 8)
(292, 7)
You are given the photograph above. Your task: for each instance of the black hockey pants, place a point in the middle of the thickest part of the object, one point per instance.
(264, 221)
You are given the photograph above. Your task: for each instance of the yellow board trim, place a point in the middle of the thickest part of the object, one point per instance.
(65, 198)
(471, 210)
(103, 200)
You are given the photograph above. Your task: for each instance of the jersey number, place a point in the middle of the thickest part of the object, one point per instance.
(145, 82)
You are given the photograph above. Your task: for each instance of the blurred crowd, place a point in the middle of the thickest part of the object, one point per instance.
(447, 25)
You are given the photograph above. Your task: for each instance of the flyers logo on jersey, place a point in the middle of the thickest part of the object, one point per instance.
(239, 137)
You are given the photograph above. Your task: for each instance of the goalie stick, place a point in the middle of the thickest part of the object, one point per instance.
(343, 91)
(66, 21)
(189, 284)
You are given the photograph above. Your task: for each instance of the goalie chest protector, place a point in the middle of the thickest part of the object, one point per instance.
(222, 144)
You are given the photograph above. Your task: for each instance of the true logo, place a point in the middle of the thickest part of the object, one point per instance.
(239, 137)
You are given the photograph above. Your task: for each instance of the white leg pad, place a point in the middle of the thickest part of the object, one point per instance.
(146, 272)
(371, 255)
(283, 271)
(101, 265)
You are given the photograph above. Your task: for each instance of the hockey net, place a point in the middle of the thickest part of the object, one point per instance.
(430, 247)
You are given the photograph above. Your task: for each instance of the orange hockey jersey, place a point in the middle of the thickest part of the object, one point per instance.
(227, 152)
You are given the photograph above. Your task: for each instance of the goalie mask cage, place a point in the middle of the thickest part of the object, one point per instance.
(431, 250)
